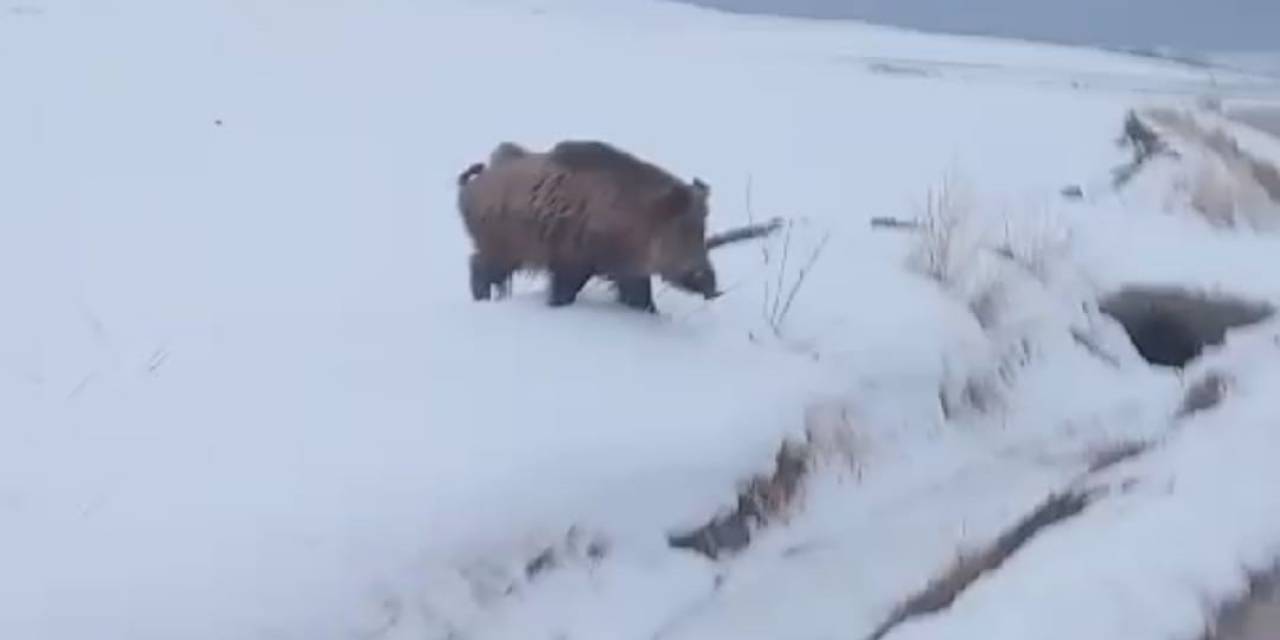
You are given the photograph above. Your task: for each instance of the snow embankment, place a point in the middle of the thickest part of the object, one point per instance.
(1207, 166)
(1179, 533)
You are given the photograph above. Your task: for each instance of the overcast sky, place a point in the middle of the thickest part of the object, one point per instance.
(1197, 25)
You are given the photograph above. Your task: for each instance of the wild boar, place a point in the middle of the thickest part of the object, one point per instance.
(583, 209)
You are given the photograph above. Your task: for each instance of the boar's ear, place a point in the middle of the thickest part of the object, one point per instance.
(675, 202)
(702, 192)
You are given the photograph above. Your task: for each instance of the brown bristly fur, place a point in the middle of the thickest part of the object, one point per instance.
(506, 151)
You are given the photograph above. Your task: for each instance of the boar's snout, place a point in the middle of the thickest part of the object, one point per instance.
(701, 280)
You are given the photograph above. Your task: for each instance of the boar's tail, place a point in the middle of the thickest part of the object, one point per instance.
(471, 172)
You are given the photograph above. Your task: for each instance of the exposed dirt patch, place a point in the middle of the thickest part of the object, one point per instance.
(1146, 144)
(1111, 456)
(574, 548)
(943, 591)
(1205, 394)
(762, 500)
(494, 578)
(771, 498)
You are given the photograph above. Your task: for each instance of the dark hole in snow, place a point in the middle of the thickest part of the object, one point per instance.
(1254, 616)
(1170, 326)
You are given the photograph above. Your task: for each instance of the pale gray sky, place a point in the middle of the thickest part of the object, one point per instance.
(1189, 25)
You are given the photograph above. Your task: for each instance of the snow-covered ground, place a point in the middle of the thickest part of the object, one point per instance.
(244, 392)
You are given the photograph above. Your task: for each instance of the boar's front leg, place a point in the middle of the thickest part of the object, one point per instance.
(636, 292)
(566, 282)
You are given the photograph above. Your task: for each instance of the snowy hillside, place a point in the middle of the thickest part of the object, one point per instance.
(1267, 62)
(244, 392)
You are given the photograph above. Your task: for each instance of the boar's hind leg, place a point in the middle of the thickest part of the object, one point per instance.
(486, 274)
(566, 282)
(636, 292)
